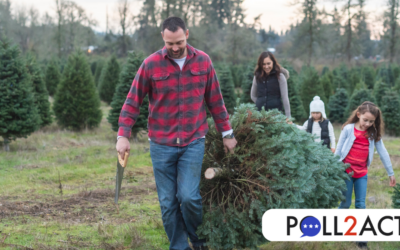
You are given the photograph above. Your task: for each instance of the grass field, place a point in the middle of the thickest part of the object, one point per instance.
(57, 192)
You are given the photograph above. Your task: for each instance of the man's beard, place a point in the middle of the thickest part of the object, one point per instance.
(172, 55)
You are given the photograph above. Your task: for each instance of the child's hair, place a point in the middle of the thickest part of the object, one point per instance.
(376, 130)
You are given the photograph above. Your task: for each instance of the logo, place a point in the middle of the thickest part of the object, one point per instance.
(310, 226)
(331, 225)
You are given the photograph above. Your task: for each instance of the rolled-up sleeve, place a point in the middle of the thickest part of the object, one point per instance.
(131, 108)
(215, 102)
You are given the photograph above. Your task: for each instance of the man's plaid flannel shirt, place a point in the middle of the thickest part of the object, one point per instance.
(177, 113)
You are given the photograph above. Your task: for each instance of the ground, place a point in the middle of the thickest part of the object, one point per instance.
(57, 192)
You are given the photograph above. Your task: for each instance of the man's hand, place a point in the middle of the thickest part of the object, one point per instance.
(333, 150)
(123, 146)
(392, 181)
(288, 122)
(229, 144)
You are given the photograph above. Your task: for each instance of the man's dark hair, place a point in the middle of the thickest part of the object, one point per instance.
(173, 23)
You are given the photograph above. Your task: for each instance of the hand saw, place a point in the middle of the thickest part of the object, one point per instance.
(121, 164)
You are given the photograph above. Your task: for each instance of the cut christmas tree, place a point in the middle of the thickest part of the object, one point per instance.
(275, 165)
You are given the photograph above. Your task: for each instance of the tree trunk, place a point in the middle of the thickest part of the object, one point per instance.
(6, 145)
(211, 173)
(134, 137)
(349, 35)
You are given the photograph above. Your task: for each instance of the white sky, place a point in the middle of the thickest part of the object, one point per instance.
(275, 13)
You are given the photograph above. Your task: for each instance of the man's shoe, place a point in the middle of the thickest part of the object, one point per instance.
(200, 248)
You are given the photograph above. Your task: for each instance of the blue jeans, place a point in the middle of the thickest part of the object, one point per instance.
(177, 172)
(360, 190)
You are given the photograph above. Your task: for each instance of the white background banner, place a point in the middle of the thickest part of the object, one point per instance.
(331, 225)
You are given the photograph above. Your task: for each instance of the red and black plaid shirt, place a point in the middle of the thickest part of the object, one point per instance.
(177, 113)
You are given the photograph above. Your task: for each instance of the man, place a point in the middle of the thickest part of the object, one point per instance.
(178, 79)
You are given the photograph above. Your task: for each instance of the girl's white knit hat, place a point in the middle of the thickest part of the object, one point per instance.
(317, 106)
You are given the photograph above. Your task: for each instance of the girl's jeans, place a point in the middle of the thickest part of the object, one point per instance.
(360, 190)
(177, 172)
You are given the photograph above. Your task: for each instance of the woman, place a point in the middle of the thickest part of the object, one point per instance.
(269, 87)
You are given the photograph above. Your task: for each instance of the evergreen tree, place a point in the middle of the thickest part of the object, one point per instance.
(40, 92)
(396, 196)
(108, 80)
(396, 87)
(385, 75)
(391, 113)
(227, 88)
(325, 70)
(76, 103)
(337, 105)
(396, 71)
(126, 77)
(238, 74)
(97, 73)
(248, 76)
(327, 85)
(281, 168)
(358, 97)
(355, 78)
(310, 86)
(18, 113)
(380, 89)
(368, 75)
(52, 77)
(340, 77)
(93, 67)
(296, 105)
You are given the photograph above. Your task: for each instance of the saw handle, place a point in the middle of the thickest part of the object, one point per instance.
(123, 162)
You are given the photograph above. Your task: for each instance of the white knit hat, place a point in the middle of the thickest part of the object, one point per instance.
(317, 106)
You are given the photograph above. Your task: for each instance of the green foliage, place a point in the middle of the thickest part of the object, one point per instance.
(108, 80)
(355, 78)
(337, 105)
(238, 74)
(296, 105)
(18, 113)
(368, 75)
(396, 71)
(396, 196)
(385, 75)
(380, 89)
(340, 78)
(248, 76)
(93, 67)
(310, 86)
(325, 70)
(124, 84)
(391, 112)
(97, 73)
(41, 95)
(327, 85)
(227, 88)
(52, 77)
(358, 97)
(76, 103)
(396, 87)
(278, 167)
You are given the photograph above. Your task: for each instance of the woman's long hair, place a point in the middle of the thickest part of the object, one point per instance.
(374, 132)
(259, 72)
